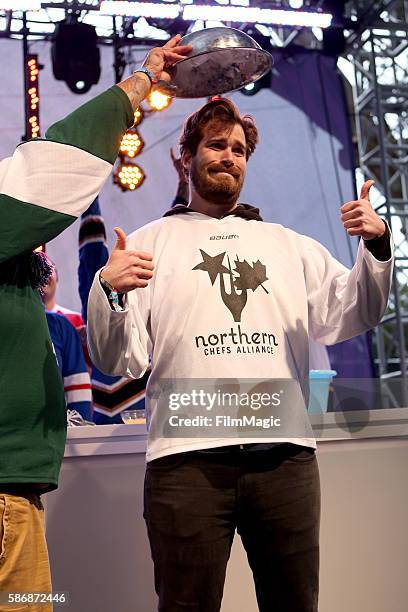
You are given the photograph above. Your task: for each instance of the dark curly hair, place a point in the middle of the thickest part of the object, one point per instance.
(224, 112)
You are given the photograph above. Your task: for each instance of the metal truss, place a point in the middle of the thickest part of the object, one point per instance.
(379, 53)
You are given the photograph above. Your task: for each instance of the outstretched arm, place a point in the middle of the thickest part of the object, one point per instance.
(49, 182)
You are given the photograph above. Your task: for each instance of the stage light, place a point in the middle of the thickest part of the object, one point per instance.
(129, 176)
(131, 144)
(205, 12)
(75, 55)
(32, 97)
(20, 5)
(158, 101)
(140, 9)
(334, 41)
(263, 83)
(296, 4)
(249, 90)
(138, 115)
(257, 15)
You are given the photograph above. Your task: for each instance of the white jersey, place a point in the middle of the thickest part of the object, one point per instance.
(232, 298)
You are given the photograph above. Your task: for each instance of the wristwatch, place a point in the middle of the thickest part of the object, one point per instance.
(115, 298)
(149, 73)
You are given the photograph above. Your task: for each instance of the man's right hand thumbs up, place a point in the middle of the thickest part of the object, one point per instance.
(127, 270)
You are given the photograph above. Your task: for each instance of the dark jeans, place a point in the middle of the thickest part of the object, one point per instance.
(195, 501)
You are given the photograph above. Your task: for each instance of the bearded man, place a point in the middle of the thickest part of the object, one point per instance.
(170, 291)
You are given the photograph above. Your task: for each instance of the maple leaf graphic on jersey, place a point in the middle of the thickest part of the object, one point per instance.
(249, 277)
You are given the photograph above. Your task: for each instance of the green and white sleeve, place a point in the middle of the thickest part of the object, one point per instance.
(49, 182)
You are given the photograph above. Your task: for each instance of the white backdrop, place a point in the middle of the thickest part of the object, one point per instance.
(291, 177)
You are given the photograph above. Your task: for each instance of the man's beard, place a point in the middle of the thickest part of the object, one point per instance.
(215, 187)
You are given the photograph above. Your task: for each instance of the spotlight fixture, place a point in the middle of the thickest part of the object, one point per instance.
(131, 144)
(334, 41)
(128, 176)
(158, 101)
(187, 11)
(252, 88)
(239, 14)
(138, 115)
(249, 90)
(75, 55)
(32, 97)
(157, 10)
(20, 5)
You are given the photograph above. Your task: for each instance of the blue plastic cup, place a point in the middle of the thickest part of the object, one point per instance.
(319, 390)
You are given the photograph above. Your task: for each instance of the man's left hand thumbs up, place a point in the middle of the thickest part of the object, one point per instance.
(359, 218)
(126, 270)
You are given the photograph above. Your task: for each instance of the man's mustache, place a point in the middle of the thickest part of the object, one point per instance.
(234, 171)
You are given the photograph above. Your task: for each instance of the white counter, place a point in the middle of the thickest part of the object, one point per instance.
(353, 425)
